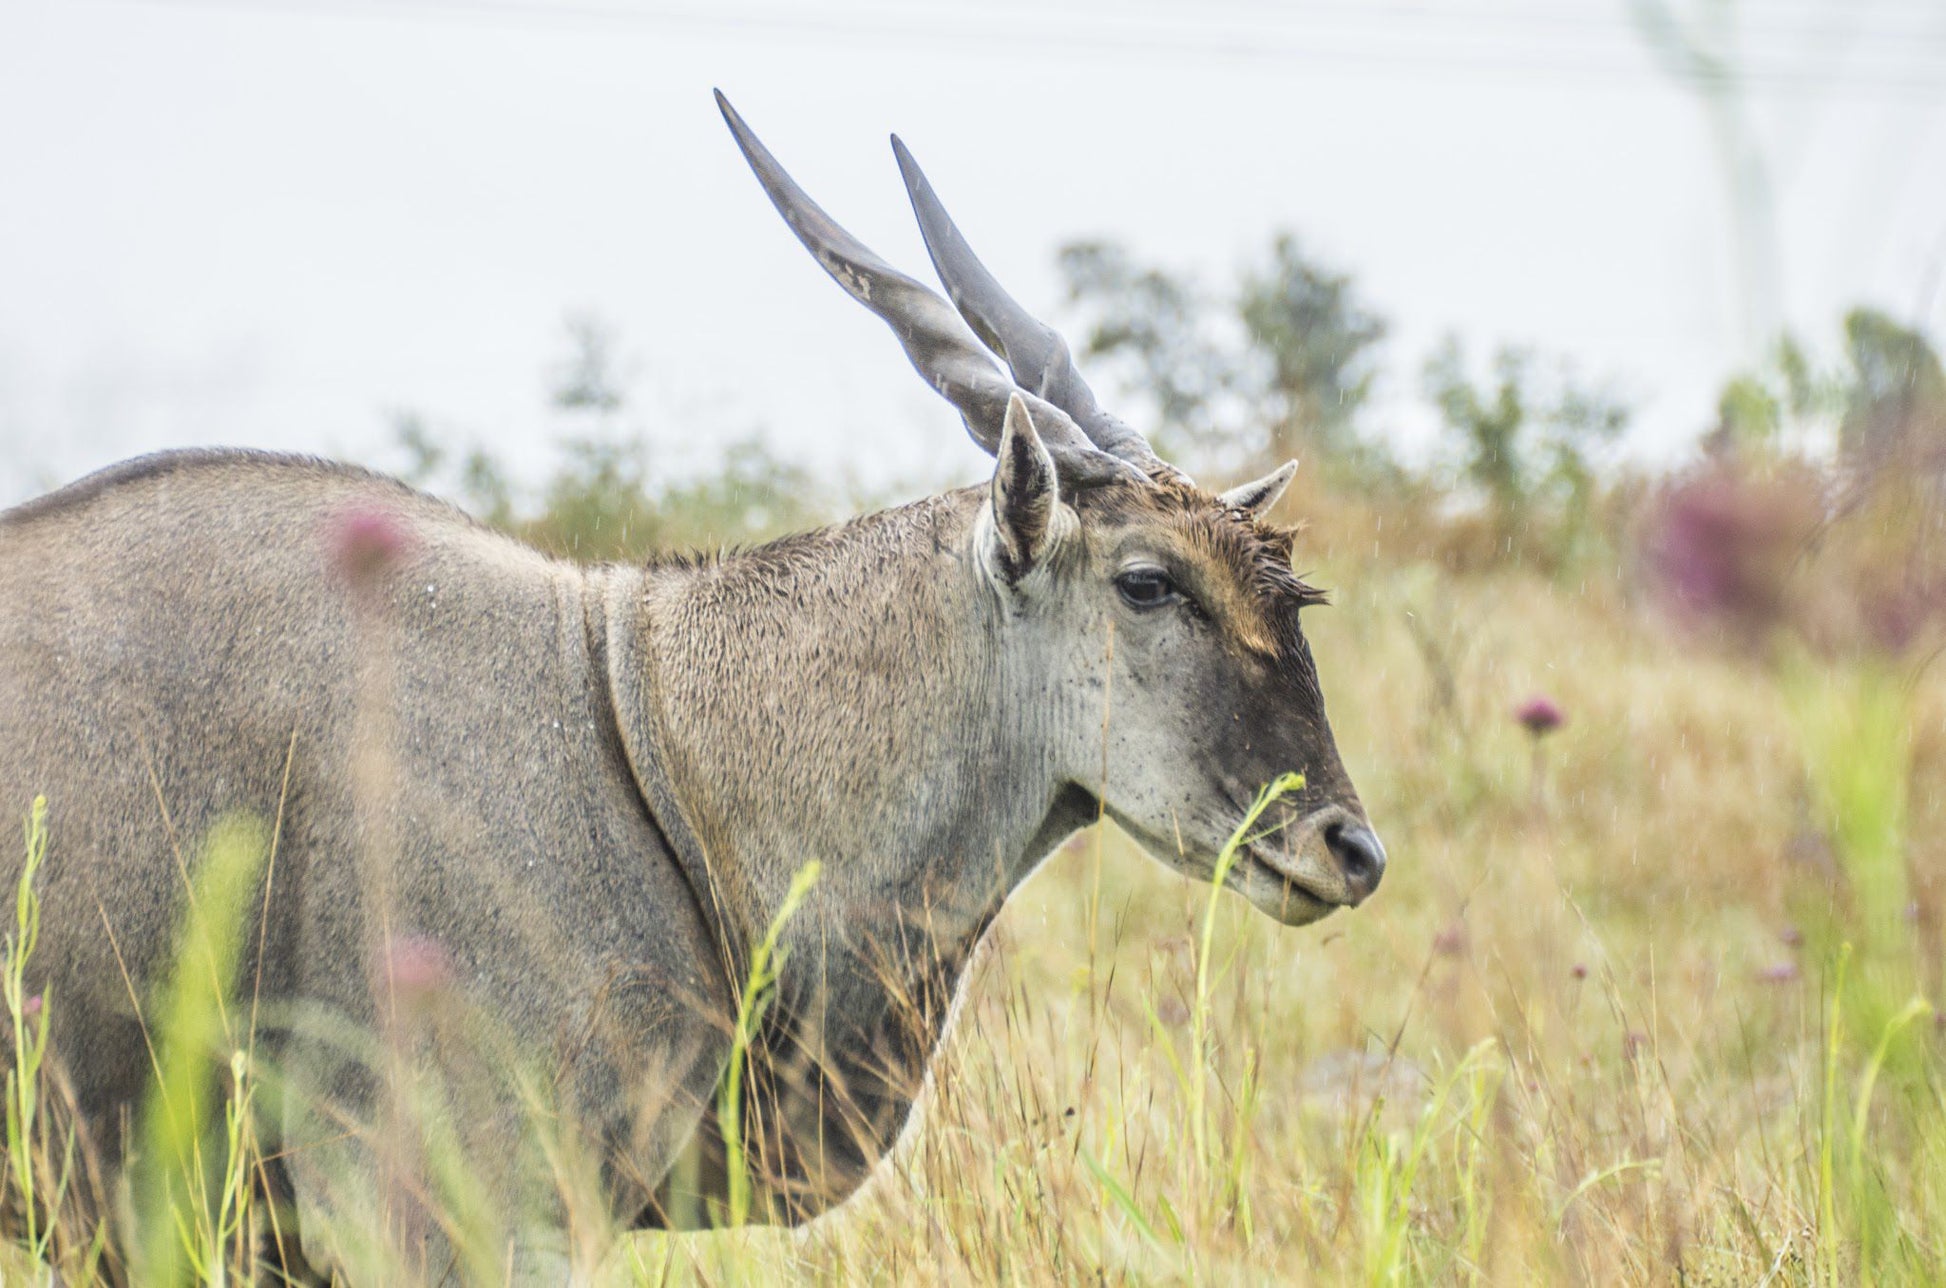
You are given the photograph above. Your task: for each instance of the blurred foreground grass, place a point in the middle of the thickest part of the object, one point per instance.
(1585, 1031)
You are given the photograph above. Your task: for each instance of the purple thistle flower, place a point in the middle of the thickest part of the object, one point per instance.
(417, 967)
(1722, 545)
(1778, 973)
(1540, 715)
(365, 543)
(1895, 619)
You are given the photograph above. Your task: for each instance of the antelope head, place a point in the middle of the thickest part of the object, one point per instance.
(1151, 629)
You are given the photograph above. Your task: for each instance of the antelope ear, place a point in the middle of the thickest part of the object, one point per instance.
(1255, 497)
(1026, 496)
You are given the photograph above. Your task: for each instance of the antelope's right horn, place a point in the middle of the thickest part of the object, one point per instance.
(1035, 352)
(934, 338)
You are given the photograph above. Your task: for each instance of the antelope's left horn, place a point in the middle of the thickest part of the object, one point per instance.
(933, 336)
(1034, 352)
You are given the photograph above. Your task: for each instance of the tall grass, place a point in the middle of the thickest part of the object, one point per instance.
(1199, 1054)
(1604, 1037)
(191, 1179)
(41, 1158)
(753, 1000)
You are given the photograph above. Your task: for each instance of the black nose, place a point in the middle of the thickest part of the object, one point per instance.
(1357, 849)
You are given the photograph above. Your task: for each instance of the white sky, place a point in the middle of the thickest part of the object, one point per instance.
(271, 222)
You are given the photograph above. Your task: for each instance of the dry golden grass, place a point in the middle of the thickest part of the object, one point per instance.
(1570, 1039)
(1575, 1036)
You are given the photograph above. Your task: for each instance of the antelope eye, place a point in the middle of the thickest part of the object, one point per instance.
(1146, 587)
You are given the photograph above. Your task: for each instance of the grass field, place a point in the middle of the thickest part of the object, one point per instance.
(1635, 1002)
(1578, 1035)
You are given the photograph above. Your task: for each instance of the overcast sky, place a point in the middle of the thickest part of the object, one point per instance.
(275, 222)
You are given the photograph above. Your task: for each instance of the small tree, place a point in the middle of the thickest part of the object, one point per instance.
(598, 504)
(602, 502)
(482, 485)
(1885, 401)
(591, 377)
(1153, 325)
(1281, 369)
(1528, 438)
(751, 497)
(1895, 399)
(1759, 409)
(1314, 352)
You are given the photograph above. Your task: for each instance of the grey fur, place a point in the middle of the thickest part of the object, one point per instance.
(876, 696)
(587, 790)
(1035, 353)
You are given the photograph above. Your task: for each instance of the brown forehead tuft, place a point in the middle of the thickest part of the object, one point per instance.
(1257, 554)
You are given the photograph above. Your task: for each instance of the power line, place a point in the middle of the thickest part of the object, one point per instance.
(1054, 30)
(1819, 23)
